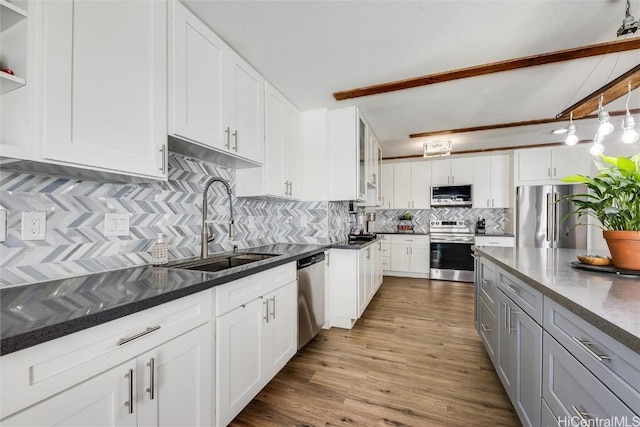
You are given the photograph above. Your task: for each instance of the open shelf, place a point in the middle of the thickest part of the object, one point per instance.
(10, 82)
(10, 14)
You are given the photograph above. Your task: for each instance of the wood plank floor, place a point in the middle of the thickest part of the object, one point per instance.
(413, 359)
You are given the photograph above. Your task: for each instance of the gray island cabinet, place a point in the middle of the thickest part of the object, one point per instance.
(565, 342)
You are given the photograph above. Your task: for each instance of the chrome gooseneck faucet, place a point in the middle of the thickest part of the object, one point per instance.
(206, 237)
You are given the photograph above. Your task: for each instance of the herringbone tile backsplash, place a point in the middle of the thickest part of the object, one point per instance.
(496, 220)
(76, 245)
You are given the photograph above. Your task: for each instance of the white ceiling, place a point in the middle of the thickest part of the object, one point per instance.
(310, 49)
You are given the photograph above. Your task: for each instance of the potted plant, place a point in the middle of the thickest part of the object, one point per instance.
(614, 200)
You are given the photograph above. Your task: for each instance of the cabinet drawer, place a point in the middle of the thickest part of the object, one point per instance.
(409, 240)
(386, 262)
(35, 373)
(501, 241)
(385, 238)
(569, 388)
(241, 291)
(280, 276)
(487, 328)
(529, 299)
(487, 283)
(619, 368)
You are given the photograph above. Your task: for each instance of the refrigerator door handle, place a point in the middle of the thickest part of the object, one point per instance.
(556, 217)
(549, 216)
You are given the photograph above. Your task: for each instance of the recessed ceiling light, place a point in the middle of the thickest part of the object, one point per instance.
(559, 131)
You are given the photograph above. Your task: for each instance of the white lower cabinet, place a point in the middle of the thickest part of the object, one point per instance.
(409, 256)
(255, 339)
(354, 280)
(169, 385)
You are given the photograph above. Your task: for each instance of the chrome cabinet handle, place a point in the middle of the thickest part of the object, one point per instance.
(227, 133)
(585, 346)
(584, 417)
(273, 307)
(507, 324)
(266, 316)
(368, 253)
(493, 203)
(235, 140)
(487, 202)
(549, 172)
(554, 172)
(484, 328)
(163, 151)
(138, 335)
(512, 288)
(389, 205)
(152, 378)
(129, 402)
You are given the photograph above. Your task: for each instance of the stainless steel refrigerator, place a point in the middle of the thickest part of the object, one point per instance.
(539, 213)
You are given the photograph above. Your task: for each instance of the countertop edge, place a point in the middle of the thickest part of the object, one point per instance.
(616, 332)
(41, 335)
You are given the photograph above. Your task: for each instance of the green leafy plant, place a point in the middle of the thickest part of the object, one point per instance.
(406, 216)
(614, 198)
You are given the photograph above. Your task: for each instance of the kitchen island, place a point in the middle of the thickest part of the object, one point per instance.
(565, 341)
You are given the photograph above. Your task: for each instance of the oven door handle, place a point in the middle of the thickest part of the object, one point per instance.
(453, 240)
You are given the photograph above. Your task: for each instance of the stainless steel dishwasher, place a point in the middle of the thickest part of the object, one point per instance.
(310, 297)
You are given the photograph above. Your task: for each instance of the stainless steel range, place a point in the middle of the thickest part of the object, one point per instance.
(451, 257)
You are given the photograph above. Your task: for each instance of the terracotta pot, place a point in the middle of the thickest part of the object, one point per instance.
(625, 248)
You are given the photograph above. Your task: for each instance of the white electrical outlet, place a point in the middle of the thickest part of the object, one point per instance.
(116, 224)
(33, 226)
(3, 225)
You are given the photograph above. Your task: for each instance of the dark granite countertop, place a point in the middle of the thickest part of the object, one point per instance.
(609, 302)
(33, 314)
(354, 244)
(403, 232)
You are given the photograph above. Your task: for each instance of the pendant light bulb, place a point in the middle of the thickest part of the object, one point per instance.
(605, 121)
(597, 148)
(630, 135)
(572, 139)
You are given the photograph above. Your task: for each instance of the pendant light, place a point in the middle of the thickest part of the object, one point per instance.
(572, 139)
(630, 135)
(605, 121)
(597, 148)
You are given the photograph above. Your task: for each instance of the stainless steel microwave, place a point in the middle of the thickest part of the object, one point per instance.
(450, 195)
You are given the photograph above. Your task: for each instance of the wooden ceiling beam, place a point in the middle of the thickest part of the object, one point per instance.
(494, 67)
(611, 91)
(513, 124)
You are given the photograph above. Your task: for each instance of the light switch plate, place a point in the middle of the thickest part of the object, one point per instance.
(3, 225)
(116, 224)
(33, 226)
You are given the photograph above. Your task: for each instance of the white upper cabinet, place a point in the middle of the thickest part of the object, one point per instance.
(197, 70)
(386, 185)
(347, 136)
(549, 165)
(217, 98)
(280, 176)
(452, 171)
(411, 185)
(492, 181)
(104, 85)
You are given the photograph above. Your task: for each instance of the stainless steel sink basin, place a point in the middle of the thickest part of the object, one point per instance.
(224, 262)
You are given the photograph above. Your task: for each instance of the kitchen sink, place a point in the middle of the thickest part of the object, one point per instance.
(224, 262)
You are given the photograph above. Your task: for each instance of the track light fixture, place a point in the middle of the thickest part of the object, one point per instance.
(629, 23)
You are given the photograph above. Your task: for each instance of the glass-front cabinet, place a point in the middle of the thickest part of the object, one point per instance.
(363, 138)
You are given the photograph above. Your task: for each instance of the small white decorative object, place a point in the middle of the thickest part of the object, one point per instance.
(159, 251)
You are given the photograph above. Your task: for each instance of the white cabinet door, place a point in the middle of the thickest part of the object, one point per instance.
(197, 64)
(402, 186)
(370, 272)
(245, 109)
(500, 181)
(420, 185)
(98, 401)
(387, 183)
(275, 181)
(567, 161)
(281, 329)
(239, 355)
(175, 381)
(441, 172)
(362, 281)
(292, 150)
(462, 171)
(482, 182)
(104, 101)
(534, 165)
(419, 259)
(399, 257)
